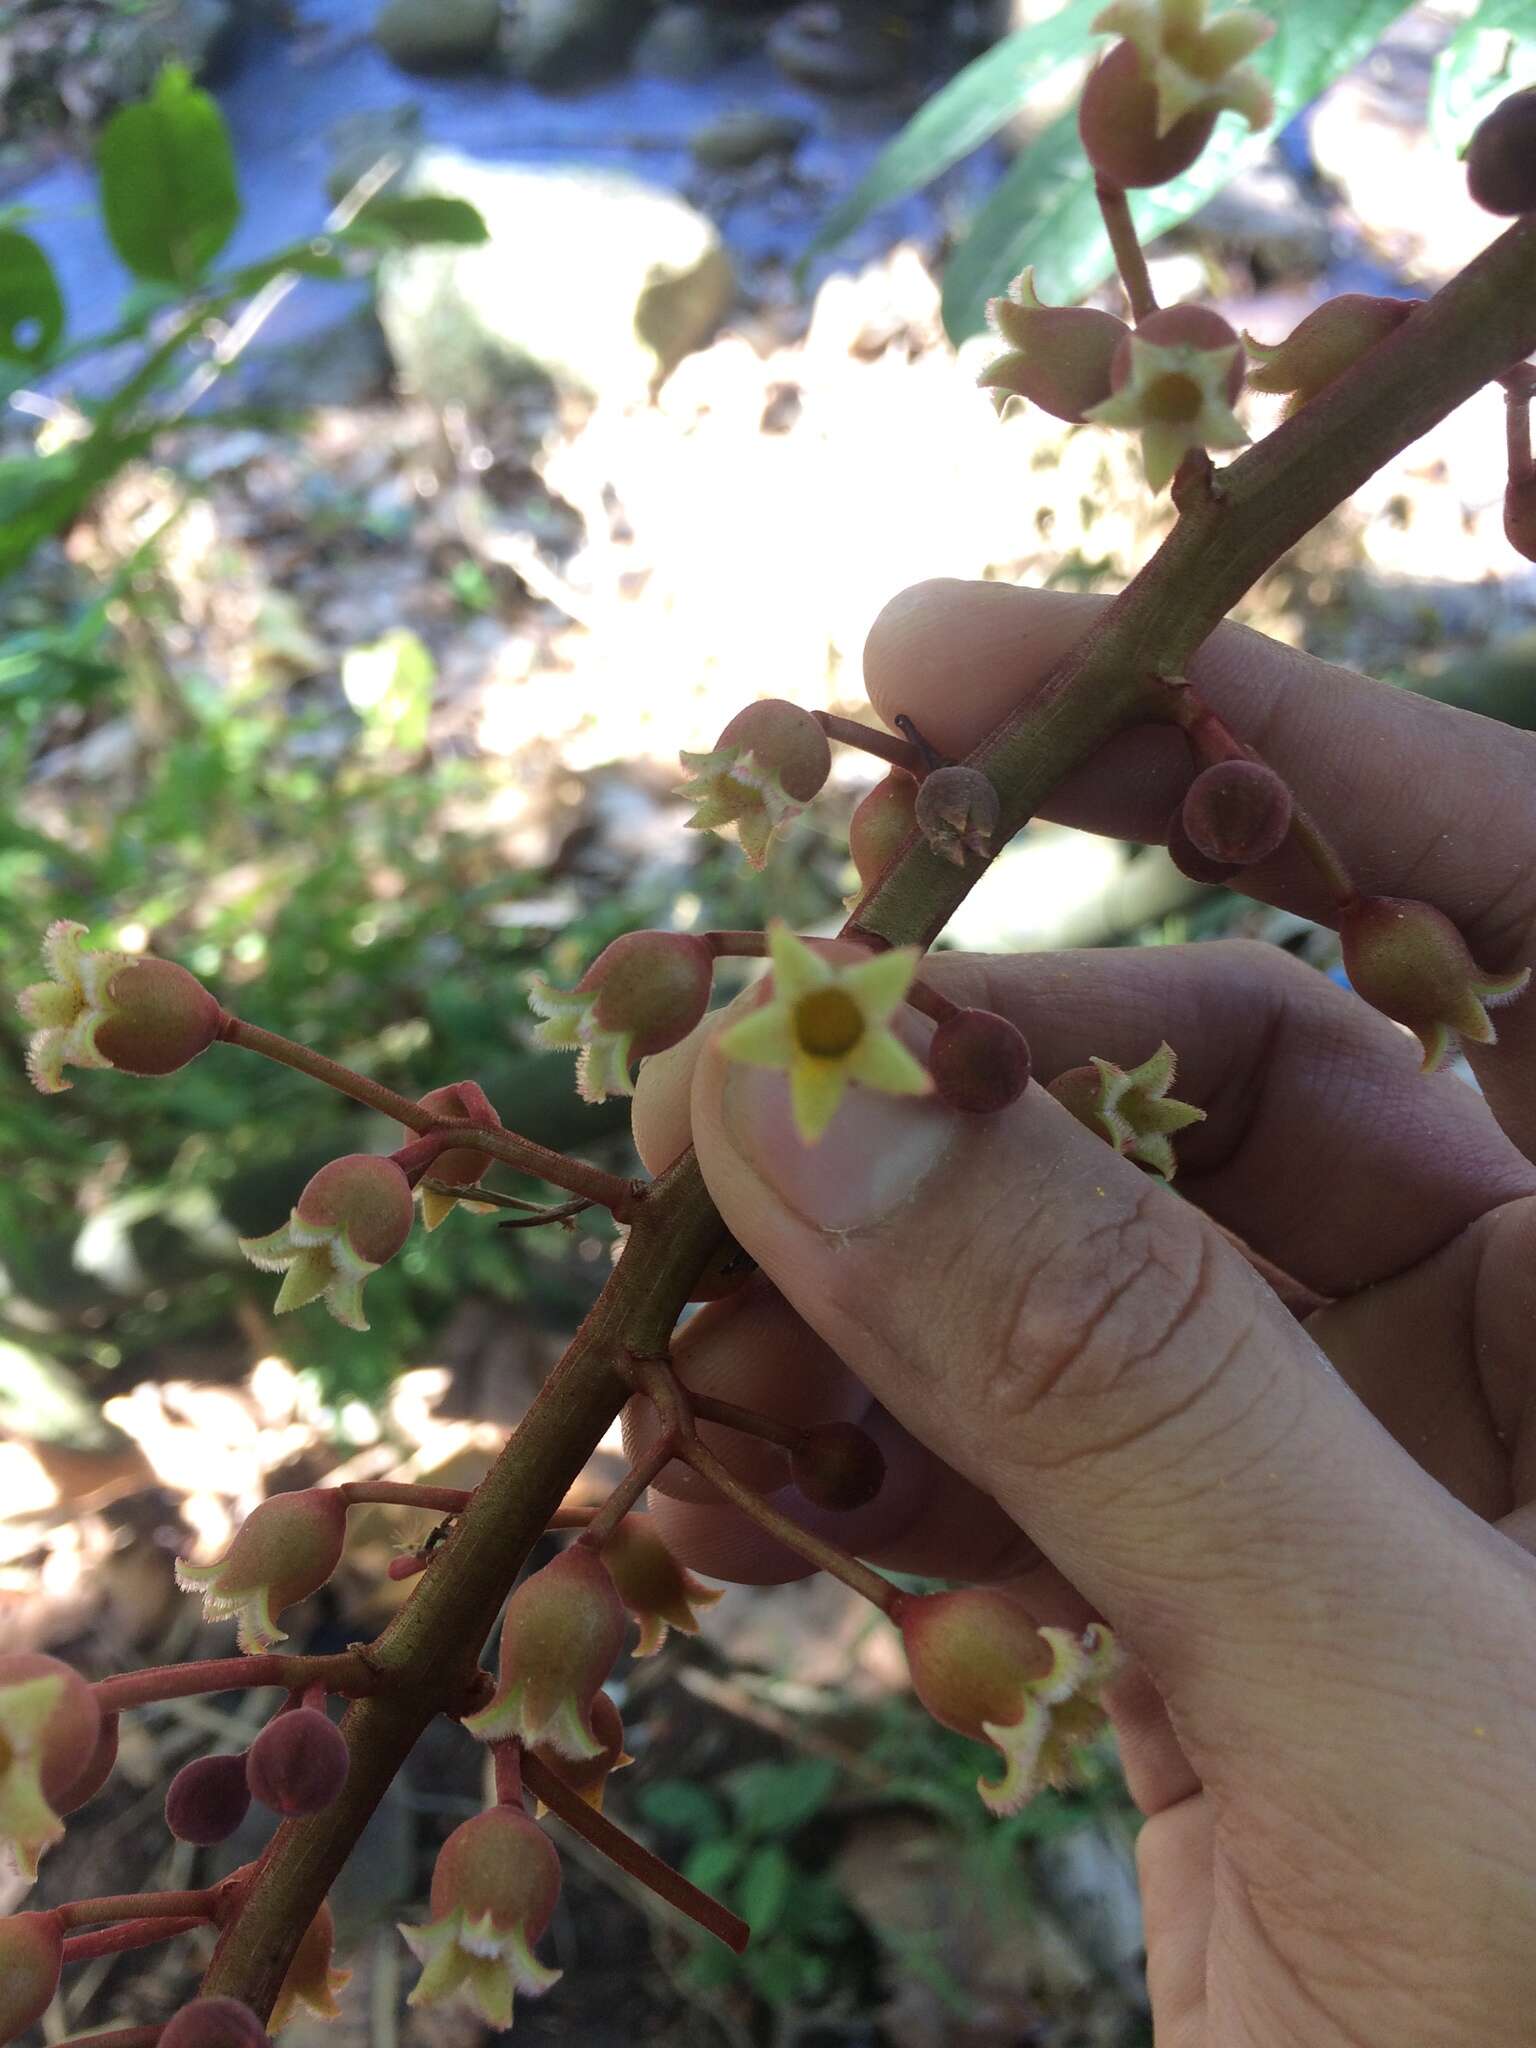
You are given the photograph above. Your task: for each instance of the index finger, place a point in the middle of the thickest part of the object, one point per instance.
(1420, 800)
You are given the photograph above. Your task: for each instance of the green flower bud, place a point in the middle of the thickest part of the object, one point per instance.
(763, 770)
(655, 1588)
(1331, 340)
(641, 994)
(1130, 1108)
(281, 1554)
(1410, 962)
(981, 1666)
(494, 1890)
(105, 1009)
(560, 1637)
(352, 1217)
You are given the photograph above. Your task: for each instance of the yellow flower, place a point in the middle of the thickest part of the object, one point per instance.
(1177, 393)
(1193, 65)
(826, 1026)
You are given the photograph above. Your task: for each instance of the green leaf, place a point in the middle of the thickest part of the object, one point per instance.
(964, 114)
(1044, 211)
(777, 1974)
(168, 187)
(31, 305)
(685, 1808)
(1492, 54)
(405, 222)
(763, 1889)
(41, 494)
(775, 1799)
(712, 1864)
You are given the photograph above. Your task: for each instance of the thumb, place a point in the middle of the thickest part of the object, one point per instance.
(1084, 1346)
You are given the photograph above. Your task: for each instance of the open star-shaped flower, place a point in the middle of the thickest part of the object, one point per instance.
(353, 1216)
(1178, 396)
(760, 774)
(1195, 66)
(494, 1888)
(826, 1026)
(1130, 1107)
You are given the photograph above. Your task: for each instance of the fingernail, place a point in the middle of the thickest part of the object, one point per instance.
(874, 1156)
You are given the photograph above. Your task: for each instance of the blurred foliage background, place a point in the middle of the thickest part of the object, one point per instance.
(414, 433)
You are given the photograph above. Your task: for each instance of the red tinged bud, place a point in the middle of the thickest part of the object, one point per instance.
(1237, 813)
(838, 1466)
(1190, 861)
(494, 1890)
(766, 766)
(1409, 961)
(298, 1763)
(102, 1009)
(31, 1960)
(352, 1217)
(957, 813)
(96, 1773)
(979, 1062)
(50, 1725)
(881, 824)
(641, 995)
(207, 1800)
(1058, 356)
(1331, 340)
(1501, 157)
(652, 1584)
(215, 2023)
(459, 1102)
(281, 1554)
(560, 1637)
(590, 1775)
(1520, 515)
(1117, 119)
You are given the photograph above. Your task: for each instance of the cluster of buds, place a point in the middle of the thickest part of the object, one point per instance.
(352, 1218)
(282, 1553)
(642, 994)
(981, 1666)
(494, 1890)
(51, 1752)
(1130, 1108)
(461, 1166)
(760, 774)
(103, 1009)
(1410, 962)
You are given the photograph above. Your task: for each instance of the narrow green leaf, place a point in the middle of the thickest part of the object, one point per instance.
(711, 1865)
(775, 1799)
(1044, 212)
(964, 114)
(404, 222)
(763, 1889)
(169, 193)
(31, 305)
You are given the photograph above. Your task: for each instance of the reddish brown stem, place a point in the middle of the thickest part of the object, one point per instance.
(1130, 258)
(869, 739)
(537, 1218)
(507, 1767)
(924, 997)
(507, 1146)
(1308, 836)
(347, 1673)
(128, 1934)
(628, 1491)
(127, 2037)
(392, 1493)
(707, 1409)
(138, 1906)
(737, 945)
(628, 1854)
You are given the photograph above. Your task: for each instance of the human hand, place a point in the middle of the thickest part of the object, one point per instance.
(1323, 1573)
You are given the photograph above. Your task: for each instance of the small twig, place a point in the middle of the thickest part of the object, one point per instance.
(129, 1934)
(198, 1905)
(852, 732)
(629, 1489)
(564, 1212)
(395, 1493)
(707, 1409)
(631, 1857)
(346, 1673)
(924, 997)
(1310, 839)
(1517, 425)
(493, 1198)
(928, 755)
(1130, 257)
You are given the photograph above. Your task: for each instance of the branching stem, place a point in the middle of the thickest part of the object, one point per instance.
(1130, 257)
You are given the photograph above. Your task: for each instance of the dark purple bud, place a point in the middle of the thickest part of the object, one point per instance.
(298, 1763)
(1501, 157)
(215, 2023)
(1190, 861)
(839, 1466)
(207, 1800)
(1237, 813)
(979, 1062)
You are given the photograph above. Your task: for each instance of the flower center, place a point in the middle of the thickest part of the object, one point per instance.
(1173, 398)
(828, 1023)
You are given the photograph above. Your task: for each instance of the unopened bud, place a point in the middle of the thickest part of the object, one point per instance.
(981, 1666)
(1190, 861)
(459, 1102)
(215, 2023)
(655, 1588)
(298, 1763)
(494, 1890)
(1501, 157)
(837, 1465)
(588, 1776)
(957, 812)
(1237, 813)
(49, 1727)
(102, 1009)
(643, 993)
(881, 824)
(1059, 356)
(207, 1800)
(282, 1552)
(560, 1637)
(98, 1770)
(31, 1961)
(979, 1062)
(766, 766)
(1331, 340)
(1410, 962)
